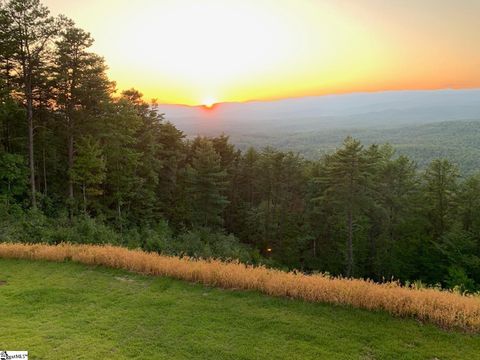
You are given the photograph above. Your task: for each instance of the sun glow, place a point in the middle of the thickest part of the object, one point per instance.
(182, 51)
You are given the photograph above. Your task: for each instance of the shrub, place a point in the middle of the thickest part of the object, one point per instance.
(458, 279)
(205, 243)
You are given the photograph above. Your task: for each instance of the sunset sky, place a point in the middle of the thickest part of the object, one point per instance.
(199, 52)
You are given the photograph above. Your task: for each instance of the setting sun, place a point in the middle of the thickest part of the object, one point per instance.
(208, 103)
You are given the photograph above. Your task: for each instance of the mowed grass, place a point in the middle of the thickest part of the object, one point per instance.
(73, 311)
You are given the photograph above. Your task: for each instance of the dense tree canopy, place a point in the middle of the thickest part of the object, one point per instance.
(81, 163)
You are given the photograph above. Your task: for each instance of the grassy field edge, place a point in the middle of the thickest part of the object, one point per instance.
(444, 308)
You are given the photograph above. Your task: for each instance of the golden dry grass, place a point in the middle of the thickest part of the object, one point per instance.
(444, 308)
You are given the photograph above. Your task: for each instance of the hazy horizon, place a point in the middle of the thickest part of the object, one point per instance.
(299, 97)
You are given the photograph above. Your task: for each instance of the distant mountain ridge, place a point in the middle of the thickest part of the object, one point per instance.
(379, 109)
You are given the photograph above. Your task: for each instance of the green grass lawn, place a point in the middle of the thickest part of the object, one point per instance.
(73, 311)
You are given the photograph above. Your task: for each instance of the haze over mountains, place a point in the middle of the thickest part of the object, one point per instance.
(424, 125)
(357, 110)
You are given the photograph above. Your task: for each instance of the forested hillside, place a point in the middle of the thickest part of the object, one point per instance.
(80, 162)
(457, 141)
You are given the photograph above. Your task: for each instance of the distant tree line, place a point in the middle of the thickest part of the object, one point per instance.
(80, 163)
(457, 140)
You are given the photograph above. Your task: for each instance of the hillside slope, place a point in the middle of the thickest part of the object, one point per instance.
(74, 311)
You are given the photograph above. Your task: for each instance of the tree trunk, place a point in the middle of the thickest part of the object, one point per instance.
(372, 236)
(350, 243)
(30, 145)
(84, 199)
(266, 237)
(9, 192)
(45, 187)
(70, 162)
(119, 209)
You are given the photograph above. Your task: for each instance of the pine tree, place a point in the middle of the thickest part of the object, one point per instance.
(71, 63)
(397, 185)
(144, 207)
(347, 184)
(441, 185)
(89, 170)
(118, 130)
(469, 205)
(170, 191)
(30, 31)
(206, 184)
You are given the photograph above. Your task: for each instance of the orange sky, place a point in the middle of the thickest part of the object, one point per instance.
(197, 52)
